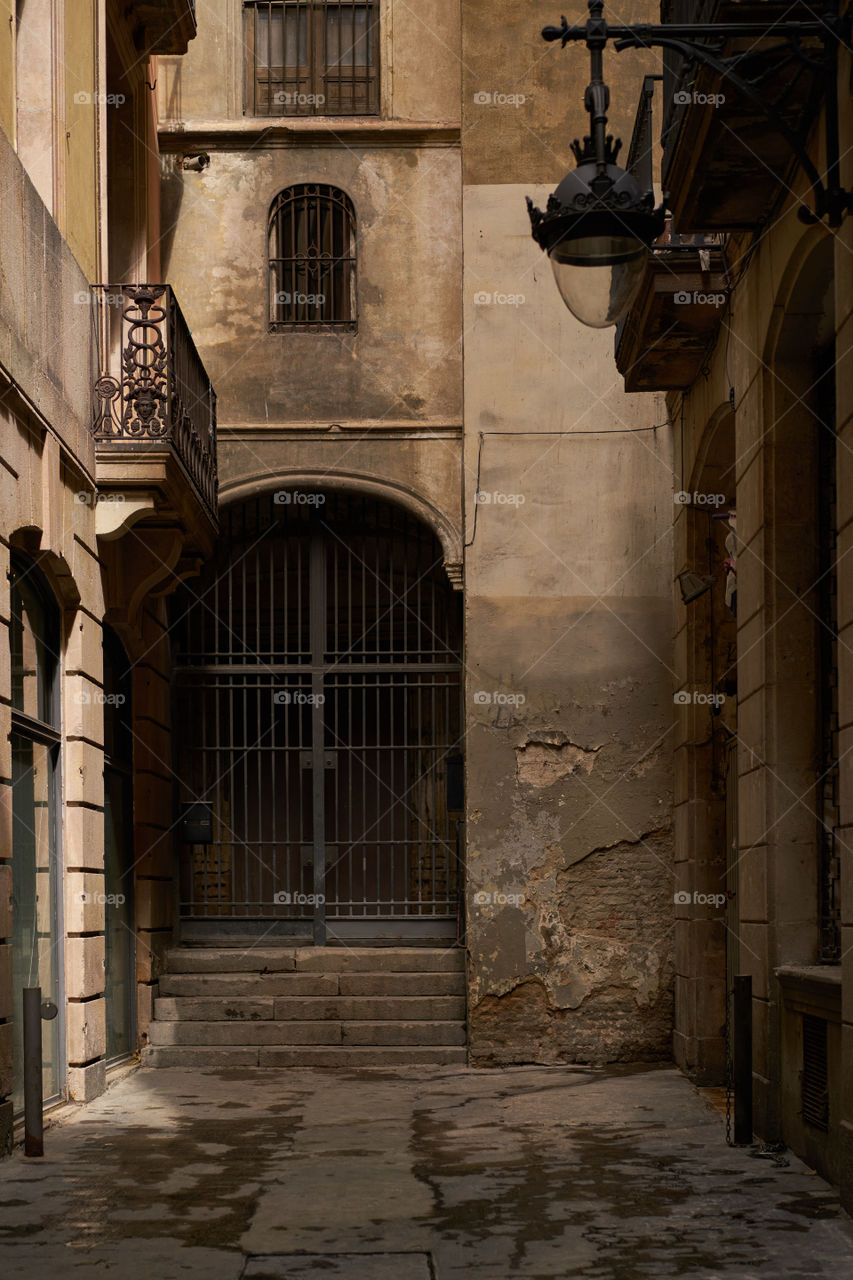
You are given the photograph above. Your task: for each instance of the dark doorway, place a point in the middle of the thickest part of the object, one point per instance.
(118, 851)
(318, 670)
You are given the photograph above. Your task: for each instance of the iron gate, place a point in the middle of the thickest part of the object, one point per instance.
(318, 713)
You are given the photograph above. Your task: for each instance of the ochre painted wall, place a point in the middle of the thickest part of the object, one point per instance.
(81, 116)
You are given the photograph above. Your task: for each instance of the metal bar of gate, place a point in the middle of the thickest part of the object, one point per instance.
(317, 623)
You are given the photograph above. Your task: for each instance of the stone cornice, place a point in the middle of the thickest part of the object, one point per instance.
(373, 429)
(323, 131)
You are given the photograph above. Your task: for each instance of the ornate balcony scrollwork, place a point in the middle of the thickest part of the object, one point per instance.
(106, 425)
(145, 364)
(153, 390)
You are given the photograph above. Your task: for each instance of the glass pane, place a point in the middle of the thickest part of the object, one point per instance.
(34, 645)
(280, 32)
(35, 942)
(296, 37)
(118, 735)
(349, 38)
(268, 38)
(118, 878)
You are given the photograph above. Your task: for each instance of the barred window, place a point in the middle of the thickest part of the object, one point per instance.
(311, 58)
(312, 262)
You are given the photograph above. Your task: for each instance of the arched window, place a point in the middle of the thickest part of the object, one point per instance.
(312, 258)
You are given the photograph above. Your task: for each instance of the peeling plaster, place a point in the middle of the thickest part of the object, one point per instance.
(542, 763)
(595, 983)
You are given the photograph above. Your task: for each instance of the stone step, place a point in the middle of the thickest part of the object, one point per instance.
(215, 1057)
(244, 1033)
(310, 1008)
(312, 984)
(315, 959)
(306, 1034)
(404, 1033)
(249, 984)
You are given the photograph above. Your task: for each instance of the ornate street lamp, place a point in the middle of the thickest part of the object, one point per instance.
(598, 225)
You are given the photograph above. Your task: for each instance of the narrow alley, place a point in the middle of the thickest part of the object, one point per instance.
(418, 1174)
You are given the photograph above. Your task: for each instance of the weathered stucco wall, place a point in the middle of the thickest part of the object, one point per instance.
(569, 685)
(417, 470)
(404, 361)
(522, 98)
(419, 65)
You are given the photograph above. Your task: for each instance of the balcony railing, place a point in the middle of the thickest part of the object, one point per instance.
(153, 390)
(162, 26)
(725, 164)
(662, 343)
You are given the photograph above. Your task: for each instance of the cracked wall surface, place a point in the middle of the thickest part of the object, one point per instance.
(570, 919)
(569, 686)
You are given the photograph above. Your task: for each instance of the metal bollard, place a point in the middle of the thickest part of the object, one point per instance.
(742, 1059)
(34, 1011)
(33, 1118)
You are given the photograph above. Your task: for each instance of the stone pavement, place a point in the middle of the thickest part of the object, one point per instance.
(432, 1173)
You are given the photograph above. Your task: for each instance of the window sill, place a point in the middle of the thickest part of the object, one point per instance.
(812, 988)
(287, 130)
(332, 330)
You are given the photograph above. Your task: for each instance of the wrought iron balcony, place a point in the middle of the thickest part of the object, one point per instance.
(155, 415)
(724, 163)
(662, 343)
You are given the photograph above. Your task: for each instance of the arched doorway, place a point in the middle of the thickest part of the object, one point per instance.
(318, 672)
(798, 1071)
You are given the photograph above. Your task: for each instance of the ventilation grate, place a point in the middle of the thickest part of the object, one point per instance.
(815, 1096)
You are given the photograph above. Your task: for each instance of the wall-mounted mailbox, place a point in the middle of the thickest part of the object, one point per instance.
(455, 783)
(197, 823)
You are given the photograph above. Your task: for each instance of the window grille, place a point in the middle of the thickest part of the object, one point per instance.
(312, 261)
(311, 58)
(318, 672)
(814, 1080)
